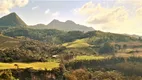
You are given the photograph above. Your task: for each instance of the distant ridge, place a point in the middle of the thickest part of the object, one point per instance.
(68, 26)
(12, 19)
(65, 26)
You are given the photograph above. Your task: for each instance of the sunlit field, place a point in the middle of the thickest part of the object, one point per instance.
(77, 44)
(34, 65)
(85, 57)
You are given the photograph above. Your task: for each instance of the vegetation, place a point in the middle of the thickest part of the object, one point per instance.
(107, 48)
(89, 57)
(34, 65)
(12, 20)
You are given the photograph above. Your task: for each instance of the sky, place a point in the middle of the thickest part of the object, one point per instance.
(117, 16)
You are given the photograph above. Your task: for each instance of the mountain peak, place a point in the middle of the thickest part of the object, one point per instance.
(67, 26)
(70, 22)
(55, 20)
(12, 19)
(13, 13)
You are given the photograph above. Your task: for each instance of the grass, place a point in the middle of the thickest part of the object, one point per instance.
(89, 57)
(34, 65)
(8, 42)
(80, 43)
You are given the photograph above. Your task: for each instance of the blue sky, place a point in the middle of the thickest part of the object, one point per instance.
(117, 16)
(34, 11)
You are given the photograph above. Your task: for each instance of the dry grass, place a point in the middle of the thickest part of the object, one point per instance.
(89, 57)
(132, 43)
(128, 55)
(34, 65)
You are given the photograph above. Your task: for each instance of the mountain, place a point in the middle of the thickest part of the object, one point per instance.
(68, 26)
(65, 26)
(13, 20)
(38, 26)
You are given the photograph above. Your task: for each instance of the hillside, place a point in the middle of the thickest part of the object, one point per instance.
(13, 20)
(8, 42)
(22, 49)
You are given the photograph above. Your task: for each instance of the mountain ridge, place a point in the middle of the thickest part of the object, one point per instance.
(13, 20)
(68, 25)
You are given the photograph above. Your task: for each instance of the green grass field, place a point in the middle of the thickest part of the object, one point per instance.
(89, 57)
(34, 65)
(81, 43)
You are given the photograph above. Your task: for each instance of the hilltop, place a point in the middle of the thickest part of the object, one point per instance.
(13, 20)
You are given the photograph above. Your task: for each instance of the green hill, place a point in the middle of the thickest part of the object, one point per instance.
(13, 20)
(80, 43)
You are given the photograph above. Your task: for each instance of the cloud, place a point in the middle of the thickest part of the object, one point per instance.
(52, 14)
(36, 7)
(116, 19)
(86, 8)
(139, 12)
(98, 14)
(6, 5)
(56, 14)
(47, 11)
(20, 3)
(130, 2)
(110, 15)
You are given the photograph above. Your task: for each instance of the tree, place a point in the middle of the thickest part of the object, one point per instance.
(107, 48)
(124, 46)
(78, 74)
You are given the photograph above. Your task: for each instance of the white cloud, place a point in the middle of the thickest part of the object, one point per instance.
(47, 11)
(6, 5)
(20, 3)
(56, 14)
(114, 19)
(130, 2)
(86, 8)
(139, 12)
(110, 15)
(98, 14)
(36, 7)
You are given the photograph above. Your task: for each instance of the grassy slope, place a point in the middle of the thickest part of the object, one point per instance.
(80, 43)
(8, 42)
(90, 57)
(34, 65)
(80, 46)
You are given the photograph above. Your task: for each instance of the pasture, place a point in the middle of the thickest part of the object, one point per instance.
(91, 57)
(81, 43)
(34, 65)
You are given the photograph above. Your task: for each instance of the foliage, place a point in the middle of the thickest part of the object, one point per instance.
(79, 74)
(108, 75)
(89, 57)
(107, 48)
(6, 75)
